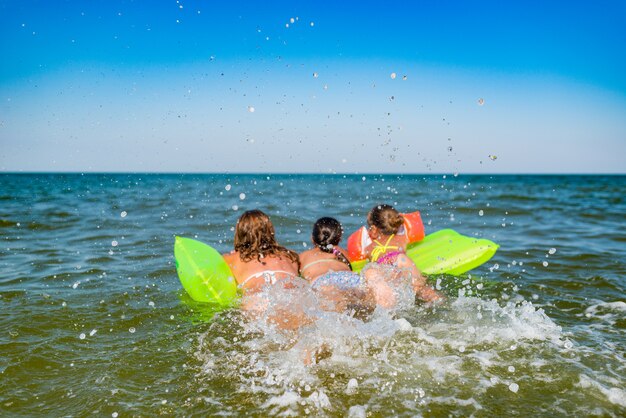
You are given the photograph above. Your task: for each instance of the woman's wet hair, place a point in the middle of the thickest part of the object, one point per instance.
(255, 238)
(387, 219)
(326, 235)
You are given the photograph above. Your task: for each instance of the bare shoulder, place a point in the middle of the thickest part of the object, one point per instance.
(400, 241)
(305, 253)
(306, 256)
(231, 257)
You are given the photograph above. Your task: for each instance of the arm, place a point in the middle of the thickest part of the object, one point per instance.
(422, 289)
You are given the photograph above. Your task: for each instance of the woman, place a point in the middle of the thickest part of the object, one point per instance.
(258, 262)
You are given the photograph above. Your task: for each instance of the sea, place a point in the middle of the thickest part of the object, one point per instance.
(94, 321)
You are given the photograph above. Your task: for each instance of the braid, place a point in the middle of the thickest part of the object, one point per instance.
(326, 235)
(339, 255)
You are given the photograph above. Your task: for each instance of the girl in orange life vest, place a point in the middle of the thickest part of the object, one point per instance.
(258, 261)
(388, 248)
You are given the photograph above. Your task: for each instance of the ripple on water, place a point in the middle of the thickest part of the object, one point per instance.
(490, 354)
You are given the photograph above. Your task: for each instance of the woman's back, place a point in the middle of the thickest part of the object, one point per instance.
(253, 274)
(316, 263)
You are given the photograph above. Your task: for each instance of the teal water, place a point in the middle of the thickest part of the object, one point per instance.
(93, 320)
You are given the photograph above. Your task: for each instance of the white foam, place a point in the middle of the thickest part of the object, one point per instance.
(353, 386)
(320, 400)
(614, 395)
(613, 306)
(357, 411)
(408, 355)
(287, 399)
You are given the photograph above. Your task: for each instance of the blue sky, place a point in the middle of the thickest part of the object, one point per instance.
(423, 86)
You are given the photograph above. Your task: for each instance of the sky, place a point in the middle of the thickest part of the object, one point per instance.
(313, 86)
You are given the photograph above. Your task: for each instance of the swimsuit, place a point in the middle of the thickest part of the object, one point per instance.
(269, 276)
(380, 254)
(389, 258)
(324, 260)
(344, 280)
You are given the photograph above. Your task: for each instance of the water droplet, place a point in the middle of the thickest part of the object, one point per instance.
(227, 187)
(132, 330)
(312, 24)
(393, 76)
(114, 414)
(292, 20)
(151, 304)
(481, 101)
(545, 264)
(75, 285)
(514, 387)
(93, 332)
(404, 77)
(82, 336)
(123, 214)
(235, 207)
(242, 196)
(352, 387)
(114, 243)
(315, 75)
(552, 251)
(251, 109)
(511, 369)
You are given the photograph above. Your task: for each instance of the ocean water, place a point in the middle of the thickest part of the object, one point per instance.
(93, 320)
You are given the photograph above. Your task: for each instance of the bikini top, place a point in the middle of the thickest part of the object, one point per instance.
(389, 258)
(268, 275)
(382, 250)
(323, 260)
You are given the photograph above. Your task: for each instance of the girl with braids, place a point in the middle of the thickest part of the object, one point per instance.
(258, 262)
(388, 248)
(329, 271)
(326, 255)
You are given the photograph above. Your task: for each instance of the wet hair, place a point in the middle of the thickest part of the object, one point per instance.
(255, 238)
(326, 236)
(387, 219)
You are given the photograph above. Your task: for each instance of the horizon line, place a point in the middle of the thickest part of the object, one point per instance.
(308, 173)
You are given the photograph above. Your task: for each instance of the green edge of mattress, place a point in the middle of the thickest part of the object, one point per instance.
(447, 252)
(203, 272)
